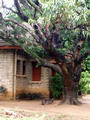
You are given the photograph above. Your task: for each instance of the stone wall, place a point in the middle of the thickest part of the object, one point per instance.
(6, 71)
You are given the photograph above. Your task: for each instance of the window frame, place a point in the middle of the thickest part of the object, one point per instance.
(21, 72)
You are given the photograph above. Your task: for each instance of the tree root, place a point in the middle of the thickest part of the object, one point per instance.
(71, 101)
(75, 102)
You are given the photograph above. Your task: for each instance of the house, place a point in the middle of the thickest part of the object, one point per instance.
(19, 73)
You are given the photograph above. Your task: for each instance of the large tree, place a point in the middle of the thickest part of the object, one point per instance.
(55, 33)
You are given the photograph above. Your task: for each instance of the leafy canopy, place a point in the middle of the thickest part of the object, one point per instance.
(67, 18)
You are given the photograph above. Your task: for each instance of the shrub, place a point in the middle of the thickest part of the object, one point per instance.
(57, 86)
(87, 64)
(84, 84)
(2, 89)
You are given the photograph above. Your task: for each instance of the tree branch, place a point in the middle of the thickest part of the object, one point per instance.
(42, 30)
(80, 26)
(55, 54)
(78, 48)
(34, 6)
(20, 12)
(83, 57)
(55, 67)
(39, 33)
(24, 27)
(29, 28)
(24, 3)
(6, 38)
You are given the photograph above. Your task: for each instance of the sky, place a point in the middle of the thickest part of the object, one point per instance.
(7, 3)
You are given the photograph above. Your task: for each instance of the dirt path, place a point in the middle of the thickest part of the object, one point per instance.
(67, 112)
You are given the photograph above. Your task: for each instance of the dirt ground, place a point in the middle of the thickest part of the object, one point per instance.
(54, 111)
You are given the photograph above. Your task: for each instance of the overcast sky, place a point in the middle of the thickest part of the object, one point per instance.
(8, 3)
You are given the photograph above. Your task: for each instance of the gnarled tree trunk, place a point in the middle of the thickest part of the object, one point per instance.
(70, 91)
(71, 82)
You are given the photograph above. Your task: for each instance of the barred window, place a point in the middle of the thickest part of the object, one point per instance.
(24, 68)
(18, 67)
(21, 67)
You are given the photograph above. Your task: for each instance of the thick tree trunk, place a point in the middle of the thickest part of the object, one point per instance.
(71, 78)
(70, 91)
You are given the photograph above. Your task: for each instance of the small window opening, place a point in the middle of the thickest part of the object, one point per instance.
(18, 67)
(24, 68)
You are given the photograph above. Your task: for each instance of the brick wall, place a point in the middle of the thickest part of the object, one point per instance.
(22, 81)
(41, 86)
(25, 84)
(6, 71)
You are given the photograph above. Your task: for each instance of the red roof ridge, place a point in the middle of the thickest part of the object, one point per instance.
(9, 47)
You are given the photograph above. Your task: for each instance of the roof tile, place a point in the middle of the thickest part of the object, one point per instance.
(3, 43)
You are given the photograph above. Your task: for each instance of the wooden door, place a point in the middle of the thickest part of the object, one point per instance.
(53, 73)
(36, 72)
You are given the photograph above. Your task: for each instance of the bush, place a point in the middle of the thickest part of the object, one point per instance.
(84, 84)
(87, 64)
(2, 89)
(57, 86)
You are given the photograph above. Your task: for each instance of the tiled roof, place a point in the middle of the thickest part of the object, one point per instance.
(6, 45)
(3, 43)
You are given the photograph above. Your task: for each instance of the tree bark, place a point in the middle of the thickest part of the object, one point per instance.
(71, 82)
(70, 91)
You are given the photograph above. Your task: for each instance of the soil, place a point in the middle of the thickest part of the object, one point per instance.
(54, 111)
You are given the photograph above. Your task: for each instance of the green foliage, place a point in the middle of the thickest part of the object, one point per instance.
(87, 3)
(67, 9)
(2, 89)
(57, 85)
(87, 64)
(39, 51)
(84, 84)
(67, 14)
(62, 13)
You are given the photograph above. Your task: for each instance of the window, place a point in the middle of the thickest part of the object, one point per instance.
(36, 75)
(21, 67)
(18, 67)
(24, 68)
